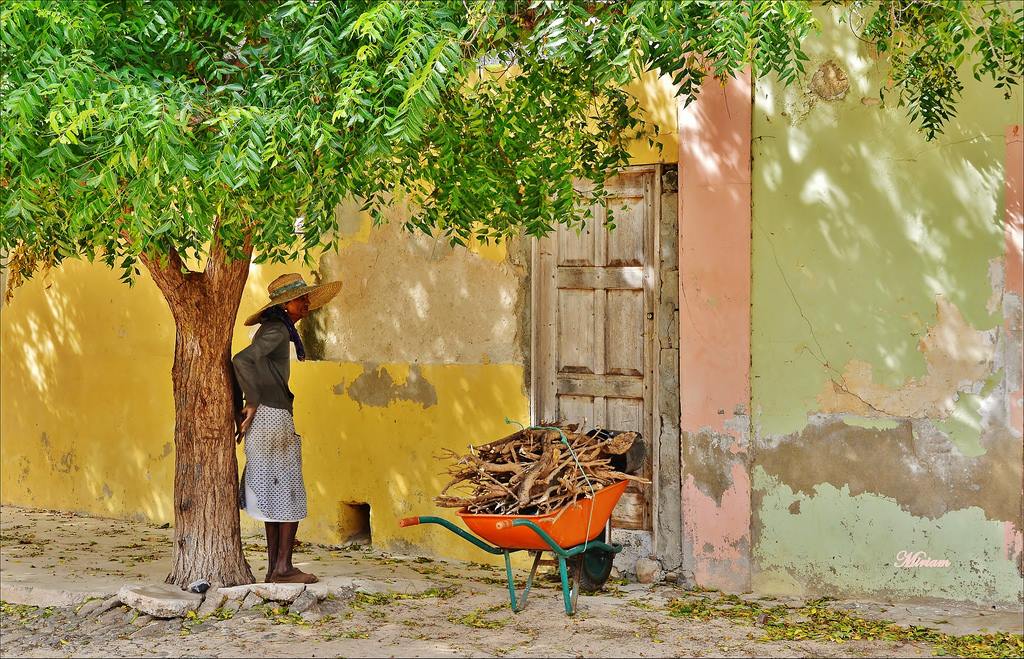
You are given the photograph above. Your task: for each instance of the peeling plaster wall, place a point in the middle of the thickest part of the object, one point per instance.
(412, 298)
(886, 340)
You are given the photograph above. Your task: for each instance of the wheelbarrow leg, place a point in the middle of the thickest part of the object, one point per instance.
(569, 596)
(517, 607)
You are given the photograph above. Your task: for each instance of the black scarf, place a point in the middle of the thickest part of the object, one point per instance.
(277, 312)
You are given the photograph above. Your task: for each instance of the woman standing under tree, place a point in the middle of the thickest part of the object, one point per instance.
(271, 489)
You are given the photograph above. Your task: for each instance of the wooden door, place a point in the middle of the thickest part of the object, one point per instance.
(594, 324)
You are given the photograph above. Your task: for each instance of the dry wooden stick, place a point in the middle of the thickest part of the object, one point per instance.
(531, 472)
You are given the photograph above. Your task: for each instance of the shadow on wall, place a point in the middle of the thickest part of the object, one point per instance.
(87, 423)
(862, 229)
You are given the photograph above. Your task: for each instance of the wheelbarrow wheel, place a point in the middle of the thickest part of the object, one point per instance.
(594, 567)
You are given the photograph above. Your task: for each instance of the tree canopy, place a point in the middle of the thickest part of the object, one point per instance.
(152, 127)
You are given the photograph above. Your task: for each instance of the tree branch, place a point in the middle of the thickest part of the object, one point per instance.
(217, 251)
(218, 265)
(169, 278)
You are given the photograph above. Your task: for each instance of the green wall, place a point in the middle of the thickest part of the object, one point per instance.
(879, 388)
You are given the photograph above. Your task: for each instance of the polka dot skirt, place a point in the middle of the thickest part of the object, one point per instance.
(272, 489)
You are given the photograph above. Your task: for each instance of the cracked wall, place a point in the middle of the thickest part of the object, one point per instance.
(885, 340)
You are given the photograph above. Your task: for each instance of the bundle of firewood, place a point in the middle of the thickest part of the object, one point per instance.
(532, 472)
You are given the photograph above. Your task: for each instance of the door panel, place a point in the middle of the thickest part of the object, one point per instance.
(624, 413)
(577, 407)
(576, 248)
(576, 331)
(594, 293)
(624, 333)
(627, 241)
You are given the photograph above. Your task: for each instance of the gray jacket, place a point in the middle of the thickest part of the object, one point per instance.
(263, 368)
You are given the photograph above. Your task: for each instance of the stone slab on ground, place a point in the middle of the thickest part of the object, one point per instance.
(236, 592)
(251, 600)
(278, 592)
(160, 600)
(213, 600)
(303, 602)
(111, 616)
(336, 588)
(107, 604)
(88, 608)
(47, 594)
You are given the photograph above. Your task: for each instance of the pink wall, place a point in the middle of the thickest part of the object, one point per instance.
(714, 340)
(714, 253)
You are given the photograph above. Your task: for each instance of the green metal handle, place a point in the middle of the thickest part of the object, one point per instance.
(465, 535)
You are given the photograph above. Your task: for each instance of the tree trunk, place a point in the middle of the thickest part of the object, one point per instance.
(207, 536)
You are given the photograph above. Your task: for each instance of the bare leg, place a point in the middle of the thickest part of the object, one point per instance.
(283, 565)
(284, 571)
(273, 536)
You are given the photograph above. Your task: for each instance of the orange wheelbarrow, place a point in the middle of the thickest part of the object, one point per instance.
(571, 533)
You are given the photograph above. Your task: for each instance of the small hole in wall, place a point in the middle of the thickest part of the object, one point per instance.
(354, 523)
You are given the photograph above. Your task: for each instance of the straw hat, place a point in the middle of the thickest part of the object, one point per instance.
(290, 286)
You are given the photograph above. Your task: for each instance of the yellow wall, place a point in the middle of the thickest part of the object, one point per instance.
(87, 409)
(88, 422)
(658, 107)
(85, 385)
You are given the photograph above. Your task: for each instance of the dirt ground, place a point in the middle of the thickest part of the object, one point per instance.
(473, 623)
(408, 606)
